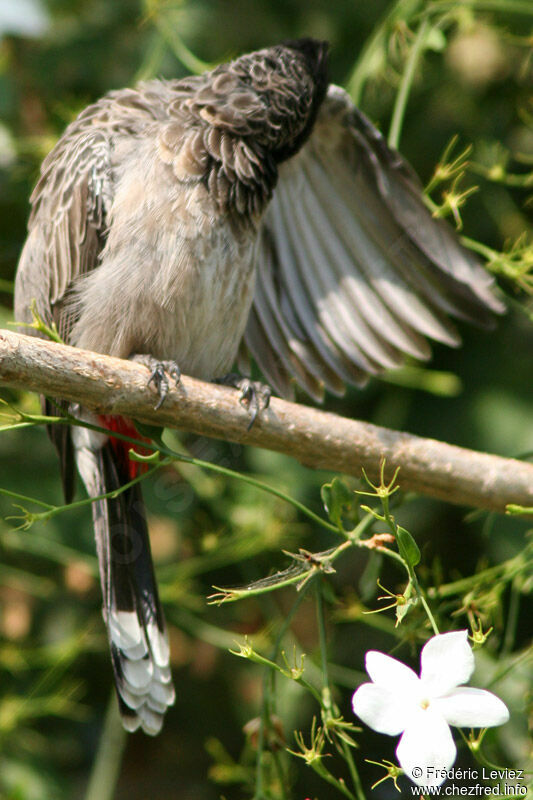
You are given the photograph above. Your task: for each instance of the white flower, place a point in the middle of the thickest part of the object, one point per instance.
(422, 709)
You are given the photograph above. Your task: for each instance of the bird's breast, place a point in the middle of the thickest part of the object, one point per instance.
(176, 278)
(202, 301)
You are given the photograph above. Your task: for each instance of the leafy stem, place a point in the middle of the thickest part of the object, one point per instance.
(29, 518)
(409, 553)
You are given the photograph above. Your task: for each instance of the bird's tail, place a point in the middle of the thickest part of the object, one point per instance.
(131, 608)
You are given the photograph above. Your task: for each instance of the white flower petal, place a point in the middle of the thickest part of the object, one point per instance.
(392, 674)
(382, 709)
(466, 707)
(23, 18)
(426, 750)
(447, 661)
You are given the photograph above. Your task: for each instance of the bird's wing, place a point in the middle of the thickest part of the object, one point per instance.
(66, 232)
(353, 271)
(67, 227)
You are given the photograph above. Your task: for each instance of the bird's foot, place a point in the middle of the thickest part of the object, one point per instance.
(254, 395)
(161, 371)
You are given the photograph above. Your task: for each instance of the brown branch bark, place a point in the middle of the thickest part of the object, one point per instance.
(316, 438)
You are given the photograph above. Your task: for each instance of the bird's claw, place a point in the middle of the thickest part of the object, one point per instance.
(254, 395)
(160, 373)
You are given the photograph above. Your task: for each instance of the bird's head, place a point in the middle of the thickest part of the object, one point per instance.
(262, 108)
(292, 80)
(270, 97)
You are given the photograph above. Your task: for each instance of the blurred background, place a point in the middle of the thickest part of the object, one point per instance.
(473, 80)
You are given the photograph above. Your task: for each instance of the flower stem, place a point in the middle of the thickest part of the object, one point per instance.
(426, 605)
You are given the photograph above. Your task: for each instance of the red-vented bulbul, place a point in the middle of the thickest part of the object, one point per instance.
(253, 204)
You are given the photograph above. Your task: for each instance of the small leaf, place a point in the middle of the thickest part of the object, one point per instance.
(409, 549)
(142, 458)
(336, 498)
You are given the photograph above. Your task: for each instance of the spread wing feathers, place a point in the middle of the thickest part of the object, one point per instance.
(132, 612)
(353, 271)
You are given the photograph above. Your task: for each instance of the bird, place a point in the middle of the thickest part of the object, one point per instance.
(251, 210)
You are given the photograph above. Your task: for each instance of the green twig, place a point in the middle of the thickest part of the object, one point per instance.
(326, 691)
(306, 566)
(409, 553)
(373, 51)
(410, 569)
(230, 473)
(497, 574)
(106, 766)
(28, 420)
(268, 694)
(25, 498)
(323, 645)
(29, 517)
(406, 83)
(170, 33)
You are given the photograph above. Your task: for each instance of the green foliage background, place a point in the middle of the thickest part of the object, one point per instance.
(474, 79)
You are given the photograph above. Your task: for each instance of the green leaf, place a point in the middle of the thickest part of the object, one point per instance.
(337, 499)
(409, 549)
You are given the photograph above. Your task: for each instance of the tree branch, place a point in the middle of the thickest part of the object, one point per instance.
(316, 438)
